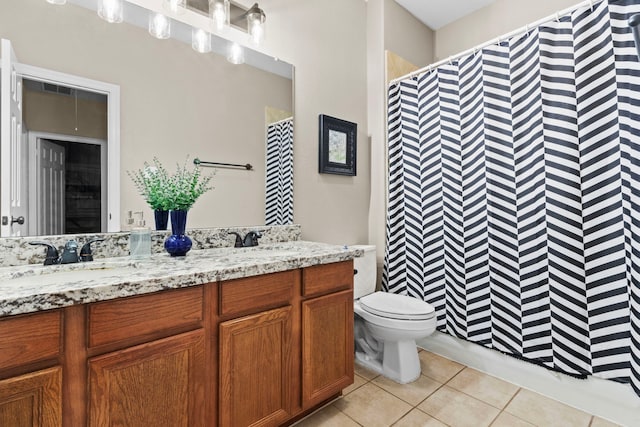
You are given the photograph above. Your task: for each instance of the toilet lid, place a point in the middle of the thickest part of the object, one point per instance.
(396, 306)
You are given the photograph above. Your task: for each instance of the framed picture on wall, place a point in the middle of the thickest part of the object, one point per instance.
(337, 148)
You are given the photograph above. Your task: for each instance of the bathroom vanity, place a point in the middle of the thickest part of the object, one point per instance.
(229, 337)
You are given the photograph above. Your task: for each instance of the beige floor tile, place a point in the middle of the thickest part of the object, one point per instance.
(328, 416)
(505, 419)
(371, 406)
(457, 409)
(437, 367)
(412, 393)
(541, 410)
(599, 422)
(484, 387)
(365, 373)
(417, 418)
(357, 382)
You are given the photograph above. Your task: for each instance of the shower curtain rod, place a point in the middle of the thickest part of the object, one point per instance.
(280, 121)
(526, 29)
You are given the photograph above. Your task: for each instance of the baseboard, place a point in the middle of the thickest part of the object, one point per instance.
(607, 399)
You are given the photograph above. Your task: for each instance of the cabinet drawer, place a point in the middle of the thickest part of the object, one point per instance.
(30, 338)
(140, 318)
(322, 279)
(243, 296)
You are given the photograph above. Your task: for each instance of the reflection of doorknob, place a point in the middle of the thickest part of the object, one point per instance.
(19, 220)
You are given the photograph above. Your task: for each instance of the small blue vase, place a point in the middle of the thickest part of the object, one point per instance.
(178, 244)
(162, 219)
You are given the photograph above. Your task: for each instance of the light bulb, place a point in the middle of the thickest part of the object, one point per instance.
(219, 11)
(200, 40)
(110, 10)
(255, 25)
(174, 6)
(235, 54)
(256, 32)
(57, 1)
(159, 25)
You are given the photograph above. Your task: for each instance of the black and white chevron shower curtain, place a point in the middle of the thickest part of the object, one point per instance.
(514, 194)
(279, 173)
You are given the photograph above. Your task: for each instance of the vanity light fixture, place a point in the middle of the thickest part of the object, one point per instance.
(57, 1)
(159, 25)
(200, 40)
(235, 54)
(111, 10)
(255, 24)
(176, 7)
(219, 10)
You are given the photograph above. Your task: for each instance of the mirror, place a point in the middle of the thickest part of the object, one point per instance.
(176, 104)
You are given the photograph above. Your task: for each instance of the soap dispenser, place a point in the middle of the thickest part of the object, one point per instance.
(140, 240)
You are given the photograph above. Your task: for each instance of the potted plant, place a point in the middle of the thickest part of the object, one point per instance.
(152, 182)
(175, 193)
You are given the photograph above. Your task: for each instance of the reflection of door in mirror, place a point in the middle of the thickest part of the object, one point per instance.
(12, 208)
(279, 167)
(67, 131)
(66, 185)
(62, 148)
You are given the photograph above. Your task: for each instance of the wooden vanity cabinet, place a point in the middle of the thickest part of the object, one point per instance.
(155, 373)
(30, 370)
(327, 331)
(257, 351)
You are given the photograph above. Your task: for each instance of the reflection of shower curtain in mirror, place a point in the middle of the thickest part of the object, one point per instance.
(279, 173)
(514, 194)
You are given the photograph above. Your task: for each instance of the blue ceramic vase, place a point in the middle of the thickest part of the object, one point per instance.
(178, 244)
(162, 219)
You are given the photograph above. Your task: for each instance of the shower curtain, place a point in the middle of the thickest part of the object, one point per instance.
(279, 173)
(514, 194)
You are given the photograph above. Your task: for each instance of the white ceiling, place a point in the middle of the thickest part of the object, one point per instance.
(438, 13)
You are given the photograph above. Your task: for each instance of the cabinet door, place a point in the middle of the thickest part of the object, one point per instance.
(327, 346)
(256, 369)
(33, 399)
(156, 384)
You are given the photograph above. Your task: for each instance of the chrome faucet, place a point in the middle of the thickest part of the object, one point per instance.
(51, 253)
(250, 239)
(69, 252)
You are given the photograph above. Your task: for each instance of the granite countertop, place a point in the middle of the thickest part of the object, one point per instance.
(31, 288)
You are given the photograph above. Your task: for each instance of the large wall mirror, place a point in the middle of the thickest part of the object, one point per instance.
(174, 104)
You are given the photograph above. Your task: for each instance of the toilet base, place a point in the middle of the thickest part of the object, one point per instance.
(400, 361)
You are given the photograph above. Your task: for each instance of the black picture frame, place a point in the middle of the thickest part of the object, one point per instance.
(337, 146)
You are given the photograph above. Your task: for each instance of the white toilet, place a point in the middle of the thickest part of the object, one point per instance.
(387, 325)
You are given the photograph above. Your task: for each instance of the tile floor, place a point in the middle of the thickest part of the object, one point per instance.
(446, 394)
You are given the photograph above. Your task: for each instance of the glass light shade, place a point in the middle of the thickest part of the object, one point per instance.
(175, 6)
(200, 40)
(235, 54)
(57, 1)
(111, 10)
(255, 26)
(220, 14)
(159, 25)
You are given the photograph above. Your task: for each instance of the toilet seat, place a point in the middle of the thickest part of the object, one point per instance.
(396, 306)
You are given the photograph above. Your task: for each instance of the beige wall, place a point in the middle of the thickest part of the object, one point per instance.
(500, 17)
(48, 112)
(174, 101)
(390, 28)
(326, 41)
(406, 36)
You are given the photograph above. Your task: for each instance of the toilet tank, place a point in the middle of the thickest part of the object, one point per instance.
(364, 282)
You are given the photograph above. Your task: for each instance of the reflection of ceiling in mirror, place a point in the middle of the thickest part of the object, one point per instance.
(202, 5)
